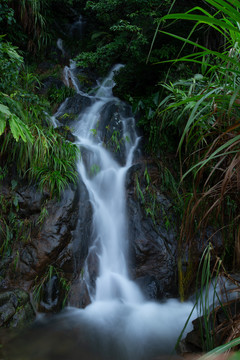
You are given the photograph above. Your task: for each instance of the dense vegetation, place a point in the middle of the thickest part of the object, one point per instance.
(182, 84)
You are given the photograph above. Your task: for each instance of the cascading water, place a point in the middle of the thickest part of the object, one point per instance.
(107, 196)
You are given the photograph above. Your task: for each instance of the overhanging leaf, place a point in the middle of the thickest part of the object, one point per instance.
(19, 129)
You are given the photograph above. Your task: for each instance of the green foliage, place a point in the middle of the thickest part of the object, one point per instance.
(3, 172)
(6, 13)
(115, 141)
(10, 63)
(58, 95)
(12, 228)
(147, 190)
(125, 31)
(30, 23)
(147, 108)
(205, 308)
(38, 152)
(94, 170)
(17, 126)
(43, 215)
(102, 58)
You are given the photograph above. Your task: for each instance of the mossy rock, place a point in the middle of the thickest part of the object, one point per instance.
(16, 309)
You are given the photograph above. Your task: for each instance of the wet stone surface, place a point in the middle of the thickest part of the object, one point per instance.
(16, 309)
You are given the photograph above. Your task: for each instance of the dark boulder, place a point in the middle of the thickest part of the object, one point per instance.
(30, 200)
(71, 108)
(79, 295)
(53, 237)
(111, 131)
(150, 287)
(52, 256)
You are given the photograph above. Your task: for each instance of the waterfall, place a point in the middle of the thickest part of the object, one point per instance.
(124, 324)
(105, 180)
(119, 323)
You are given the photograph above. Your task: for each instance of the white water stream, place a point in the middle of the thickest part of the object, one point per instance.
(107, 195)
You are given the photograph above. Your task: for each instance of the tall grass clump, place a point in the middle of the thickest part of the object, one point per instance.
(205, 108)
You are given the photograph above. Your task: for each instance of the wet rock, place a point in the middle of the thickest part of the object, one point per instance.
(6, 311)
(110, 128)
(73, 106)
(53, 237)
(66, 133)
(15, 308)
(150, 287)
(153, 244)
(30, 200)
(79, 295)
(82, 235)
(93, 267)
(24, 316)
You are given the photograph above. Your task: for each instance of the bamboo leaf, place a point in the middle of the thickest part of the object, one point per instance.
(221, 349)
(202, 19)
(4, 110)
(2, 125)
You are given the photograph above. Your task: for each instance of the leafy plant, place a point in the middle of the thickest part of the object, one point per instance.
(115, 140)
(94, 169)
(43, 215)
(41, 283)
(12, 227)
(38, 152)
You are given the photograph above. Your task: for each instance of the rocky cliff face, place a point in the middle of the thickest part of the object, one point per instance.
(153, 241)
